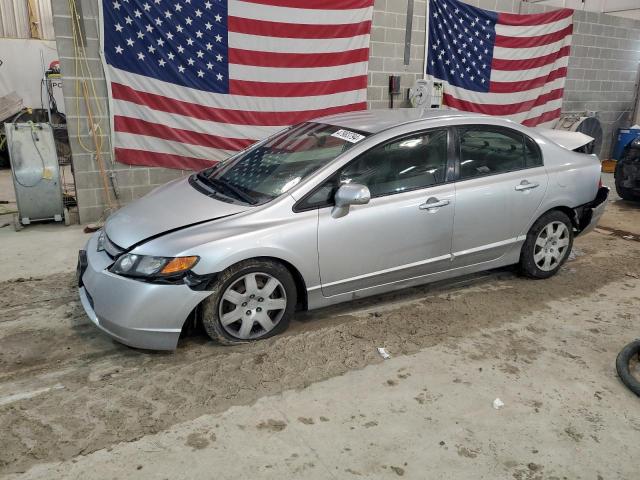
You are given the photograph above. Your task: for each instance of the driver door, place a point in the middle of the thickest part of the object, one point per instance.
(404, 231)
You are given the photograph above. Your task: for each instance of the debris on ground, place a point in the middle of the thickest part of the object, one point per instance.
(498, 404)
(620, 233)
(575, 253)
(383, 353)
(92, 227)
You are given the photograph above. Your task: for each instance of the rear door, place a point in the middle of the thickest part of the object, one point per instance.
(501, 182)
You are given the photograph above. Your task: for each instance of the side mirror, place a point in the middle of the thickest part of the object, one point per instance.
(347, 195)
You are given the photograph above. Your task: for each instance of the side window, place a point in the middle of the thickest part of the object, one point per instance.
(487, 151)
(405, 164)
(322, 196)
(532, 155)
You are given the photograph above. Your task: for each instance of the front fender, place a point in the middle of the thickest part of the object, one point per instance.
(283, 234)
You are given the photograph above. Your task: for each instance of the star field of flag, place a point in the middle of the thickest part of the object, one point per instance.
(184, 42)
(461, 42)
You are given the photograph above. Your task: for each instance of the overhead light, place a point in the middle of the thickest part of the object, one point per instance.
(411, 143)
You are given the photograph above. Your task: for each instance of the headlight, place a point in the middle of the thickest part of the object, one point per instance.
(133, 265)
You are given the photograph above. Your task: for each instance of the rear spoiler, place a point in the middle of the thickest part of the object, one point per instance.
(570, 140)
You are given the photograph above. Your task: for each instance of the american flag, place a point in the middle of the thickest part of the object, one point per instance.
(192, 81)
(500, 64)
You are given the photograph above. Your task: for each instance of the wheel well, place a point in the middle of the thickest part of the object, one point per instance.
(301, 302)
(301, 286)
(569, 212)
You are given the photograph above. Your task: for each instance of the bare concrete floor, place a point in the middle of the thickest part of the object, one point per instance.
(318, 402)
(426, 415)
(40, 248)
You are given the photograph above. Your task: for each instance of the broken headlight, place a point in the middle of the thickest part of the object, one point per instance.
(146, 266)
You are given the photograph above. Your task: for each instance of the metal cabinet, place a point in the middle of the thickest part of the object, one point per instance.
(35, 171)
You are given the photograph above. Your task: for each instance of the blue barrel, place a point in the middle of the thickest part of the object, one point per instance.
(625, 136)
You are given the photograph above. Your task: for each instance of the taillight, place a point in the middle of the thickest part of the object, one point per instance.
(600, 185)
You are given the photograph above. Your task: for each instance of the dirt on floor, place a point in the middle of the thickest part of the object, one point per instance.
(78, 391)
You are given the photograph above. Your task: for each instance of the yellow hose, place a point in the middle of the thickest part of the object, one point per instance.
(82, 70)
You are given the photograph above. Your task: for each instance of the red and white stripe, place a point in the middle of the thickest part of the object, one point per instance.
(528, 70)
(287, 64)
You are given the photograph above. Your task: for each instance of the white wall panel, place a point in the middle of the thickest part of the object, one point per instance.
(14, 19)
(21, 69)
(46, 19)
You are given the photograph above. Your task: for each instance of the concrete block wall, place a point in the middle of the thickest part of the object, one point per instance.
(602, 77)
(603, 71)
(386, 52)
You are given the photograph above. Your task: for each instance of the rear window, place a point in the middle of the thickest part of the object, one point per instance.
(533, 156)
(490, 150)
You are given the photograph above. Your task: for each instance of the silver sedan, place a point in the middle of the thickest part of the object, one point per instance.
(339, 208)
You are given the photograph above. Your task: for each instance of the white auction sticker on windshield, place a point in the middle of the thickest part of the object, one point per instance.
(352, 137)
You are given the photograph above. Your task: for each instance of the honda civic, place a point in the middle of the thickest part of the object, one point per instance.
(331, 210)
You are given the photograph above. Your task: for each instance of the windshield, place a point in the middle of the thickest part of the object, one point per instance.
(269, 170)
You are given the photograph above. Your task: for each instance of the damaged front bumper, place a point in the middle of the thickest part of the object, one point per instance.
(588, 215)
(136, 313)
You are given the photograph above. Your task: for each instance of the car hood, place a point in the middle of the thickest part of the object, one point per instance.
(167, 208)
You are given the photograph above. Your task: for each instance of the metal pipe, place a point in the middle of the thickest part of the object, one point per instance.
(407, 33)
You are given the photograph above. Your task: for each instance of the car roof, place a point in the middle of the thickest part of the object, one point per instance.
(374, 121)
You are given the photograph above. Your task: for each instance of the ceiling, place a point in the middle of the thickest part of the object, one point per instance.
(621, 8)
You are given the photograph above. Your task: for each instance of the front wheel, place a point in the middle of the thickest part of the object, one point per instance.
(252, 300)
(547, 246)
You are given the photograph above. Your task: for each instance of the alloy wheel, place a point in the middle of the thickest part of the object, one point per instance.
(252, 305)
(551, 246)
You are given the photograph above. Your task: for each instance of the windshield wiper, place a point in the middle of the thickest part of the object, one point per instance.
(203, 184)
(238, 193)
(207, 181)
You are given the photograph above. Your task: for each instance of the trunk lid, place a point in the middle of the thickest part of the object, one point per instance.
(569, 140)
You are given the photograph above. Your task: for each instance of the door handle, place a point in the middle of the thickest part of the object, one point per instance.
(433, 203)
(525, 185)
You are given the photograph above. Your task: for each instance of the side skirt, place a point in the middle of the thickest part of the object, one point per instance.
(317, 300)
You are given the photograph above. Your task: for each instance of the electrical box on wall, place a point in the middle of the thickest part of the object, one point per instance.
(394, 84)
(394, 88)
(426, 94)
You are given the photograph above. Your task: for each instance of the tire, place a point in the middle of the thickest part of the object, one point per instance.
(622, 366)
(623, 192)
(537, 249)
(254, 320)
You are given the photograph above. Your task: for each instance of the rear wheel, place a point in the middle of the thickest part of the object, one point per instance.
(624, 192)
(251, 300)
(547, 246)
